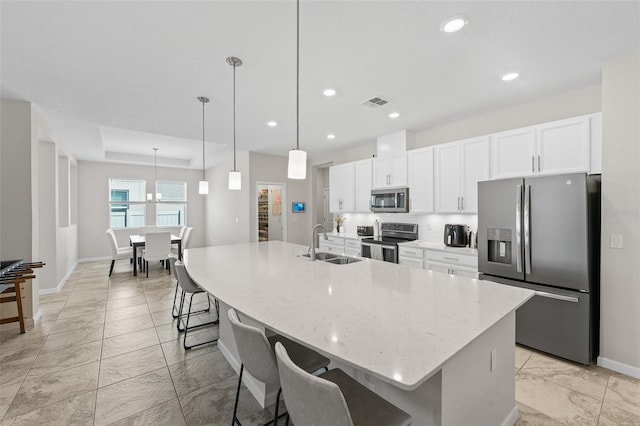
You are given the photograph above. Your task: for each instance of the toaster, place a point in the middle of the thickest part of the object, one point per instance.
(456, 235)
(365, 231)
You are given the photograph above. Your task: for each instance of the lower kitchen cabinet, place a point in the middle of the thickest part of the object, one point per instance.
(352, 247)
(464, 265)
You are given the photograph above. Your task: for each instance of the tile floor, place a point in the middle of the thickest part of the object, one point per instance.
(106, 352)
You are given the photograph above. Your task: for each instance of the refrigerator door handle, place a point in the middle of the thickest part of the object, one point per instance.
(518, 231)
(527, 239)
(557, 296)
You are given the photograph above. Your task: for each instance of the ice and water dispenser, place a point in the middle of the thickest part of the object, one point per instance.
(499, 242)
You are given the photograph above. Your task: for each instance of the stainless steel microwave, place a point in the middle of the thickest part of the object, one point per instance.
(392, 200)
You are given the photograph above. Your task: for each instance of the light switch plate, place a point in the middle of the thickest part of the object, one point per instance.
(616, 241)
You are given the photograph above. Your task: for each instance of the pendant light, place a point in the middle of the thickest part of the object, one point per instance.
(203, 185)
(297, 157)
(155, 177)
(235, 177)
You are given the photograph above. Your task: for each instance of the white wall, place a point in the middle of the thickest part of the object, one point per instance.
(47, 221)
(15, 180)
(93, 203)
(620, 270)
(273, 169)
(565, 105)
(227, 212)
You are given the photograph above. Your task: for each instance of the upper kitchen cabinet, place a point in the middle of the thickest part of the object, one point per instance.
(420, 180)
(363, 184)
(390, 166)
(513, 153)
(342, 188)
(459, 166)
(390, 172)
(564, 146)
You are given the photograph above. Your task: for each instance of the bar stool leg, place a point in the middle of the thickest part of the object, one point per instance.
(235, 420)
(19, 302)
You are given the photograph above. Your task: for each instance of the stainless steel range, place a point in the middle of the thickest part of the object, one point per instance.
(385, 246)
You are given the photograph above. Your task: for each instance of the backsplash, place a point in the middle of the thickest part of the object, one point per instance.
(430, 226)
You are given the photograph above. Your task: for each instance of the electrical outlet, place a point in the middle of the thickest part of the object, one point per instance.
(494, 359)
(616, 241)
(429, 227)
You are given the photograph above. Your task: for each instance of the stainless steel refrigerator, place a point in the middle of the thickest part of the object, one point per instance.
(543, 233)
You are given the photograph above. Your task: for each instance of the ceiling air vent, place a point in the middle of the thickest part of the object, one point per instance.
(374, 102)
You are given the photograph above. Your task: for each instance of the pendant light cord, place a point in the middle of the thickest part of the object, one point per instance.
(234, 117)
(297, 74)
(203, 140)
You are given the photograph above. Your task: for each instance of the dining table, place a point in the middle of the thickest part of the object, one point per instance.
(139, 241)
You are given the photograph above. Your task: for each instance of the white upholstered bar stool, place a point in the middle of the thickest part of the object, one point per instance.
(189, 287)
(176, 309)
(332, 398)
(258, 357)
(117, 253)
(157, 247)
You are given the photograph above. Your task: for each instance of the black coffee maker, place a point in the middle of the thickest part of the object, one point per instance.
(456, 235)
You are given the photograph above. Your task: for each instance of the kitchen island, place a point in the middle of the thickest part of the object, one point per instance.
(441, 347)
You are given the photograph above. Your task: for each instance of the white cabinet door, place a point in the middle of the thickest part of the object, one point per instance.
(380, 173)
(352, 252)
(410, 262)
(563, 146)
(513, 153)
(438, 267)
(465, 272)
(398, 170)
(390, 172)
(421, 180)
(342, 188)
(447, 178)
(363, 176)
(475, 160)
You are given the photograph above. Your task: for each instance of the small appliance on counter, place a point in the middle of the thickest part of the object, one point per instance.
(456, 235)
(364, 231)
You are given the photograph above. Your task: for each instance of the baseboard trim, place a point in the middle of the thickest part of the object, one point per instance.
(512, 417)
(63, 281)
(619, 367)
(93, 259)
(251, 383)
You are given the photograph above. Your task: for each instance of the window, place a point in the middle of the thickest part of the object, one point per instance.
(126, 203)
(171, 208)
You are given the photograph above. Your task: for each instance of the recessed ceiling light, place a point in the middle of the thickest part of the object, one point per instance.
(329, 92)
(331, 136)
(454, 23)
(510, 76)
(272, 123)
(394, 115)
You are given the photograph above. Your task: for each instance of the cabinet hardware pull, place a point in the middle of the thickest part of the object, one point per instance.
(538, 164)
(452, 258)
(461, 203)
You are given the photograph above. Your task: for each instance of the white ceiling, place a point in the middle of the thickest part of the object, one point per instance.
(116, 78)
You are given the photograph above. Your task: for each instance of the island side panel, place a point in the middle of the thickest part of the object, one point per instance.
(473, 392)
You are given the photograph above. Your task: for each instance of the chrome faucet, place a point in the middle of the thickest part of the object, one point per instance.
(312, 251)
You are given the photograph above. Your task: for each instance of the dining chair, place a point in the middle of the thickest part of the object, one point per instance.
(182, 229)
(117, 253)
(257, 355)
(190, 287)
(332, 398)
(157, 247)
(186, 242)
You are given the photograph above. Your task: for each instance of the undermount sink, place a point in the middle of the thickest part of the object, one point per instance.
(323, 256)
(343, 260)
(336, 259)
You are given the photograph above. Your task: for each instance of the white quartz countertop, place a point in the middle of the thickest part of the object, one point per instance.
(439, 246)
(344, 235)
(400, 324)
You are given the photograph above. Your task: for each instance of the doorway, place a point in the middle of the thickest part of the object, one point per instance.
(272, 216)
